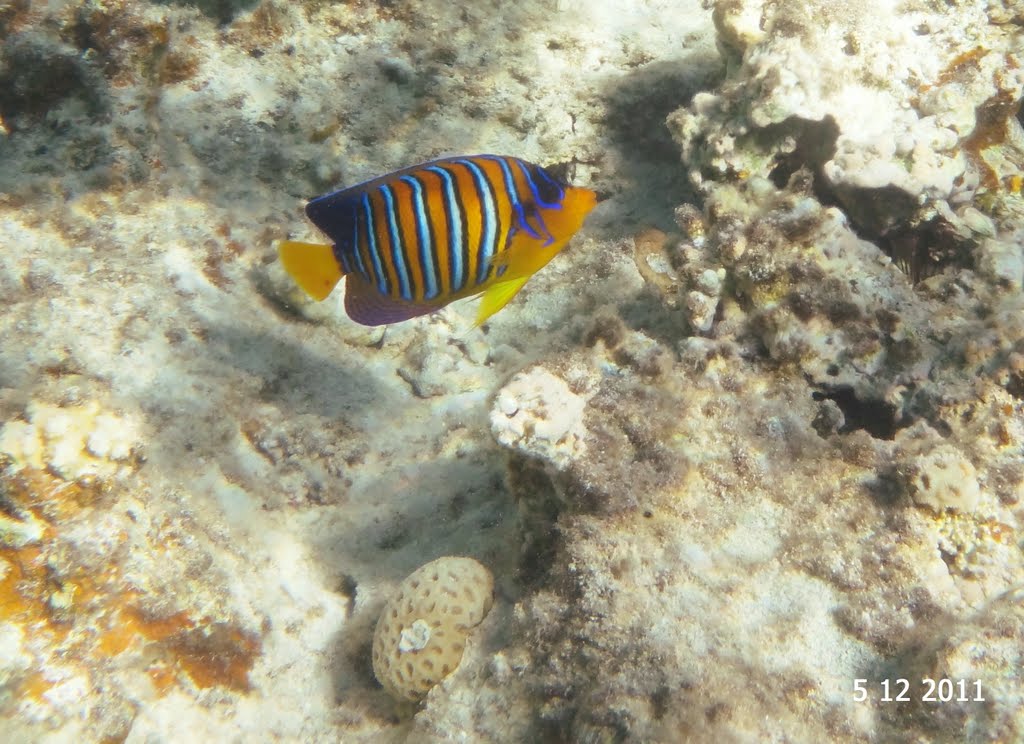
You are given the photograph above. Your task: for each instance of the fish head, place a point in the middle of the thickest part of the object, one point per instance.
(564, 220)
(541, 229)
(546, 226)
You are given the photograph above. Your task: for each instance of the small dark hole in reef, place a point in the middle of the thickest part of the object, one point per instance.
(816, 145)
(1015, 385)
(876, 417)
(885, 489)
(348, 586)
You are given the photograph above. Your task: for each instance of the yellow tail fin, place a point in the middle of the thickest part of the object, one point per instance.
(311, 265)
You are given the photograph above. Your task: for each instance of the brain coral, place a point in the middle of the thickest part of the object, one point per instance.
(422, 630)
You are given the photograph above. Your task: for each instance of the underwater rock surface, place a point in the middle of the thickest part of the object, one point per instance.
(753, 443)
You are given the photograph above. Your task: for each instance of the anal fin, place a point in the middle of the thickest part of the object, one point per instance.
(496, 297)
(365, 305)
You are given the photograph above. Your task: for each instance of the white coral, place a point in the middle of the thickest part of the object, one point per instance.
(538, 414)
(75, 441)
(944, 478)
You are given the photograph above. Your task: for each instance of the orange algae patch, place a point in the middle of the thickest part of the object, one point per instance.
(163, 677)
(89, 614)
(22, 566)
(34, 686)
(993, 117)
(223, 655)
(210, 652)
(962, 62)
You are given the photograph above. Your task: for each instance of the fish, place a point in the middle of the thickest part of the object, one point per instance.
(410, 242)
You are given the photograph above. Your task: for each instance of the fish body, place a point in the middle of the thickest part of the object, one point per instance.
(410, 242)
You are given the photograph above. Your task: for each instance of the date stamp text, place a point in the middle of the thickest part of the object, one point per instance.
(927, 691)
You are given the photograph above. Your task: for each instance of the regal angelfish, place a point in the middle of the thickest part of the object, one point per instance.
(414, 240)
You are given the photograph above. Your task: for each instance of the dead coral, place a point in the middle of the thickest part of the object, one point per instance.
(37, 73)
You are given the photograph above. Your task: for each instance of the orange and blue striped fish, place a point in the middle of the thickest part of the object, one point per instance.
(410, 242)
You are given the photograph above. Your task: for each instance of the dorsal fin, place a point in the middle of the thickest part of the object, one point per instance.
(336, 215)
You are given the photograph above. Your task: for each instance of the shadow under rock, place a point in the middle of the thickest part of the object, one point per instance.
(419, 511)
(296, 375)
(222, 11)
(653, 178)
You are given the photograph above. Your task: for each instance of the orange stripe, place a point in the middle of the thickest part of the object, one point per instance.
(523, 191)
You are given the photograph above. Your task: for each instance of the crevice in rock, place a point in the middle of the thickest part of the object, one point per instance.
(927, 248)
(814, 145)
(877, 417)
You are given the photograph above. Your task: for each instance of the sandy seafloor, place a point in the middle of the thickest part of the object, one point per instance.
(747, 454)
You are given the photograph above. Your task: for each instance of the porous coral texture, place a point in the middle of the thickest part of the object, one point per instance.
(891, 105)
(813, 563)
(424, 627)
(944, 478)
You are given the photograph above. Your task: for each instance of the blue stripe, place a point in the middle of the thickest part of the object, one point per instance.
(510, 183)
(341, 253)
(538, 202)
(513, 195)
(454, 229)
(488, 220)
(371, 244)
(423, 238)
(396, 244)
(533, 186)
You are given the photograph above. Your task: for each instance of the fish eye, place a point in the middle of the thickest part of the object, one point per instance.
(549, 190)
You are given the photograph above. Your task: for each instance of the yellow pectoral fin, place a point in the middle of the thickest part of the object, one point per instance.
(497, 297)
(311, 265)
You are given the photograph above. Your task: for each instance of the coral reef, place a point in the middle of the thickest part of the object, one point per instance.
(424, 627)
(944, 478)
(75, 442)
(903, 118)
(209, 486)
(741, 459)
(784, 437)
